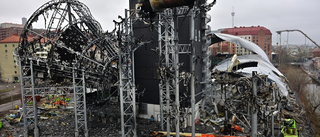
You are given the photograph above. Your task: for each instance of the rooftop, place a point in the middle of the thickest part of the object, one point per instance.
(12, 39)
(253, 30)
(317, 50)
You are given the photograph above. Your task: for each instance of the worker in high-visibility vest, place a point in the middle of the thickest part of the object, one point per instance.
(57, 99)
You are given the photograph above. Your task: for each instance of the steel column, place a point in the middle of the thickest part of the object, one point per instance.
(254, 111)
(35, 110)
(127, 86)
(192, 82)
(28, 97)
(176, 71)
(80, 108)
(23, 98)
(167, 66)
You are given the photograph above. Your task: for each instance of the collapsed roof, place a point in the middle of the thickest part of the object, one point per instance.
(259, 62)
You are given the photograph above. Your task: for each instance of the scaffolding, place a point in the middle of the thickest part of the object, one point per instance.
(80, 109)
(30, 92)
(167, 66)
(126, 77)
(29, 101)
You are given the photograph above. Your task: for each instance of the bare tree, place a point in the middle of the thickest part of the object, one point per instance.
(282, 56)
(298, 80)
(307, 93)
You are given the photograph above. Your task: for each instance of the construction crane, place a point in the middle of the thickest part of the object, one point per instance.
(279, 32)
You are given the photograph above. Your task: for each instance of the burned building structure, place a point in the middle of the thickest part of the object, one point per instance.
(147, 61)
(157, 56)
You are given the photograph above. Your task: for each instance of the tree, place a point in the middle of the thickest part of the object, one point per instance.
(307, 94)
(298, 80)
(282, 56)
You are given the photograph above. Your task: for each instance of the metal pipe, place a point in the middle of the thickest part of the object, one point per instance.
(166, 31)
(121, 90)
(75, 102)
(254, 118)
(133, 88)
(176, 67)
(192, 82)
(161, 81)
(158, 5)
(86, 134)
(272, 117)
(35, 111)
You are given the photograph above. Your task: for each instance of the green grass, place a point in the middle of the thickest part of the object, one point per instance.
(8, 99)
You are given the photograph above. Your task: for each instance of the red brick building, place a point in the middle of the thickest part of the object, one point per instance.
(316, 53)
(256, 34)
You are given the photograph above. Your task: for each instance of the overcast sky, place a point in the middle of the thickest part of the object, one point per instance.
(272, 14)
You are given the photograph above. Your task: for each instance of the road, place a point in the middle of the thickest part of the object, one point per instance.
(7, 106)
(7, 94)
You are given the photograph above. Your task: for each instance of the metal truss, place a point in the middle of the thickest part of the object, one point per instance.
(126, 77)
(80, 109)
(169, 71)
(169, 51)
(70, 35)
(53, 90)
(30, 91)
(252, 101)
(29, 101)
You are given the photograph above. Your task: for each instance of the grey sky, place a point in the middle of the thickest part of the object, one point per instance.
(272, 14)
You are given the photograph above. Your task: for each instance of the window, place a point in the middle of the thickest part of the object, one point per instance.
(6, 51)
(6, 56)
(15, 66)
(12, 45)
(5, 45)
(15, 72)
(14, 61)
(257, 40)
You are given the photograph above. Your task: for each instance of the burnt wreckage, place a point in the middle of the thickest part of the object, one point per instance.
(81, 56)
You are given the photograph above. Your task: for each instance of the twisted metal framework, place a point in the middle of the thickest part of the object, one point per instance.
(71, 38)
(70, 35)
(252, 101)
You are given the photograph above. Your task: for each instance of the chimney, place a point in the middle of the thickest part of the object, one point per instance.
(24, 20)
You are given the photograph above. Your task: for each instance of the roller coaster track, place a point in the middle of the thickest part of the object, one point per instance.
(280, 31)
